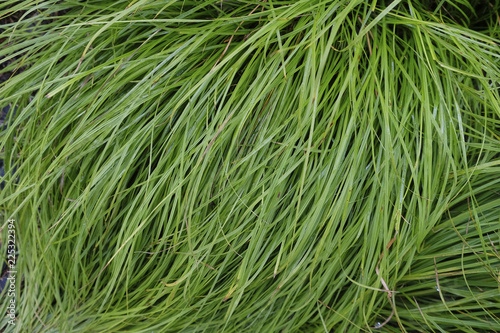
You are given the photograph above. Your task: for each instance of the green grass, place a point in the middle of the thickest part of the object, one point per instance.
(252, 166)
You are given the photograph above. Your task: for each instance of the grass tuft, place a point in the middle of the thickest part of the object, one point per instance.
(252, 166)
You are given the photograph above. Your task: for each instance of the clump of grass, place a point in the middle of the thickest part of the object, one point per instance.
(256, 166)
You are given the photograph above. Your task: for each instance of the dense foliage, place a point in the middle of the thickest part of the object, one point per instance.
(252, 166)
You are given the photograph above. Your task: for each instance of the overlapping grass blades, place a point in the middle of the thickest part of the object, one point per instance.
(255, 166)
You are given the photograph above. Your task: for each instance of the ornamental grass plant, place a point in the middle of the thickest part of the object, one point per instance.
(251, 166)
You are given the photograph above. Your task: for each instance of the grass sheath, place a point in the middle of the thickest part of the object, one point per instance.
(251, 166)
